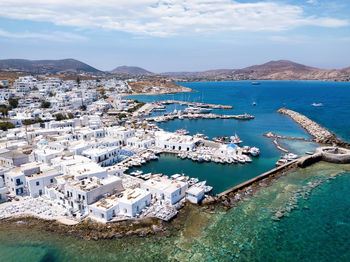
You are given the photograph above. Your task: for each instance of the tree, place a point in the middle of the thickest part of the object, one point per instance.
(4, 126)
(45, 104)
(13, 102)
(4, 110)
(121, 115)
(60, 117)
(83, 107)
(70, 115)
(28, 122)
(51, 94)
(78, 80)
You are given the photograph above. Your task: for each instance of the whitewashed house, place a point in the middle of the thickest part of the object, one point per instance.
(171, 141)
(166, 189)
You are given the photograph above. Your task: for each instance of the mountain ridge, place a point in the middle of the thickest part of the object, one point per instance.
(46, 66)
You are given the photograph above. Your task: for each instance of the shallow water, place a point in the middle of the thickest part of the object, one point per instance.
(318, 230)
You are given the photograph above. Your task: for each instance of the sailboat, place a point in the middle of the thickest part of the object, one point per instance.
(235, 139)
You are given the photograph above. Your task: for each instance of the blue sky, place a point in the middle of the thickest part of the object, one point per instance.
(177, 35)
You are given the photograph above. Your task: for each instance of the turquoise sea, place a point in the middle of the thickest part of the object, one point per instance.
(318, 229)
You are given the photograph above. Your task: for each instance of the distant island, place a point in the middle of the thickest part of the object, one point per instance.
(273, 70)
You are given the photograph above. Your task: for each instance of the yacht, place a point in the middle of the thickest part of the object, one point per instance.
(197, 110)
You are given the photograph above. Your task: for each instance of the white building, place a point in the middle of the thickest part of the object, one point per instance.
(15, 181)
(171, 141)
(37, 182)
(142, 143)
(166, 189)
(3, 190)
(78, 194)
(105, 209)
(133, 201)
(104, 156)
(195, 194)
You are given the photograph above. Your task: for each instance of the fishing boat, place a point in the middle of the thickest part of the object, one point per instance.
(254, 151)
(182, 132)
(235, 139)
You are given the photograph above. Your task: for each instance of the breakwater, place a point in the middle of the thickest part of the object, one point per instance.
(273, 135)
(275, 141)
(318, 132)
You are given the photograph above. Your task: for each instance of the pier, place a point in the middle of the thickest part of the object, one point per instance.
(214, 106)
(258, 178)
(199, 116)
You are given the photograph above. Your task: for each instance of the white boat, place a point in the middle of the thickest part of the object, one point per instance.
(201, 184)
(207, 189)
(235, 139)
(281, 162)
(317, 104)
(240, 159)
(290, 156)
(247, 159)
(254, 151)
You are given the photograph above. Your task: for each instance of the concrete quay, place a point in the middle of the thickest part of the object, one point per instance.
(200, 116)
(214, 106)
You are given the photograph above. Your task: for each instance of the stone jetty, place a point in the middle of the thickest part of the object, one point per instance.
(273, 135)
(318, 132)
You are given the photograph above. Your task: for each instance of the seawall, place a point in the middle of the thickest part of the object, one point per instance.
(319, 133)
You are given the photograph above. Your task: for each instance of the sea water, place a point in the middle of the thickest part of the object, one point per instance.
(317, 230)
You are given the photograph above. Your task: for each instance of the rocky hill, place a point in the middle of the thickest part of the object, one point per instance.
(130, 70)
(273, 70)
(46, 66)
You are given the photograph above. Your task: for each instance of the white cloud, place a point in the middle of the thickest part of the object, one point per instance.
(165, 18)
(54, 36)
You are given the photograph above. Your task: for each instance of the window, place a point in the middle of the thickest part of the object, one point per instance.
(51, 180)
(37, 183)
(102, 215)
(83, 197)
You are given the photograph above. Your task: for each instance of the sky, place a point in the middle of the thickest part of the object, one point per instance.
(177, 35)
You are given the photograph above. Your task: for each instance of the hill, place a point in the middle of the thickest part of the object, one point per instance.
(273, 70)
(130, 70)
(45, 66)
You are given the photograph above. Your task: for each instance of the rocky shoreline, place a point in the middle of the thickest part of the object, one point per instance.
(92, 230)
